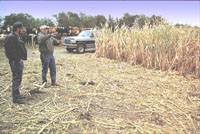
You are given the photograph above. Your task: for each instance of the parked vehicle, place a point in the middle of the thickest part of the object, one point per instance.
(83, 42)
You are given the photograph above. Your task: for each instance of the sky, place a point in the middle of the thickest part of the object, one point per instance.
(183, 12)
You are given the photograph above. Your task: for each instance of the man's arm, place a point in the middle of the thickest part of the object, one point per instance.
(43, 38)
(56, 42)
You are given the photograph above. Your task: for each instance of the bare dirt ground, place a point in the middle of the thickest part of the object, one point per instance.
(98, 95)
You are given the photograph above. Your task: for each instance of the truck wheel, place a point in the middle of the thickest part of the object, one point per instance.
(70, 49)
(80, 48)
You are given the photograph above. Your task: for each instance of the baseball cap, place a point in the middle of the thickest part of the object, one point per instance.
(44, 27)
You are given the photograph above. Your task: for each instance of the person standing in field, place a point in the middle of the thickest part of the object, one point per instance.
(16, 53)
(46, 47)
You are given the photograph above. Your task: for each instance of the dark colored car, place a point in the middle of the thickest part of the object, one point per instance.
(83, 42)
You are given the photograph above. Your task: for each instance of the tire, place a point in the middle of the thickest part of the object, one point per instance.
(70, 49)
(80, 48)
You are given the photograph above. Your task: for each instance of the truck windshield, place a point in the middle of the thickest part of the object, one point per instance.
(85, 33)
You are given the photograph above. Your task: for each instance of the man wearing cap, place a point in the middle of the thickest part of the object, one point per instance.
(16, 53)
(46, 47)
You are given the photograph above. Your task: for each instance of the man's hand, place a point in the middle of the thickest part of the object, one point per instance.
(59, 42)
(53, 34)
(20, 61)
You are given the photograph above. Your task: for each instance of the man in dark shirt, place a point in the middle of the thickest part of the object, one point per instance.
(16, 53)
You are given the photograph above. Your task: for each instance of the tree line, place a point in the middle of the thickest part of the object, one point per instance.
(71, 19)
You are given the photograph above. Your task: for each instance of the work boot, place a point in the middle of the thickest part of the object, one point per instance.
(20, 97)
(18, 101)
(55, 85)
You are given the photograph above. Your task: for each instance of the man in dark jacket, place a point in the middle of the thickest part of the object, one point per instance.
(46, 47)
(16, 53)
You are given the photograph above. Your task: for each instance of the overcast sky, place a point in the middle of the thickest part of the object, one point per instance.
(184, 12)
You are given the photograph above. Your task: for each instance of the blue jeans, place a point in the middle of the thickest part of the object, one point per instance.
(17, 71)
(48, 61)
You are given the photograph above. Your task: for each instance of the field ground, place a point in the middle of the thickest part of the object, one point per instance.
(99, 95)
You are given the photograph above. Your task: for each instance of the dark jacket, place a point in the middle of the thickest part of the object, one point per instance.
(14, 48)
(46, 43)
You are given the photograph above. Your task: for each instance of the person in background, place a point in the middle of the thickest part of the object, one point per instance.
(8, 29)
(46, 47)
(57, 36)
(16, 53)
(24, 36)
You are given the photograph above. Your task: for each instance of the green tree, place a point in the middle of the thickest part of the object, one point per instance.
(1, 20)
(25, 18)
(43, 21)
(87, 21)
(73, 19)
(143, 20)
(119, 22)
(91, 21)
(62, 19)
(67, 19)
(100, 20)
(155, 20)
(111, 22)
(129, 20)
(81, 20)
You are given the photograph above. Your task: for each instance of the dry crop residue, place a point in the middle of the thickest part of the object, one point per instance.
(98, 95)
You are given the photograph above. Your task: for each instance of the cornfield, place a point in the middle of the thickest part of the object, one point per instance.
(163, 47)
(103, 96)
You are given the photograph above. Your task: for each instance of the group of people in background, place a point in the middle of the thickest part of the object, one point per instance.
(29, 35)
(16, 52)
